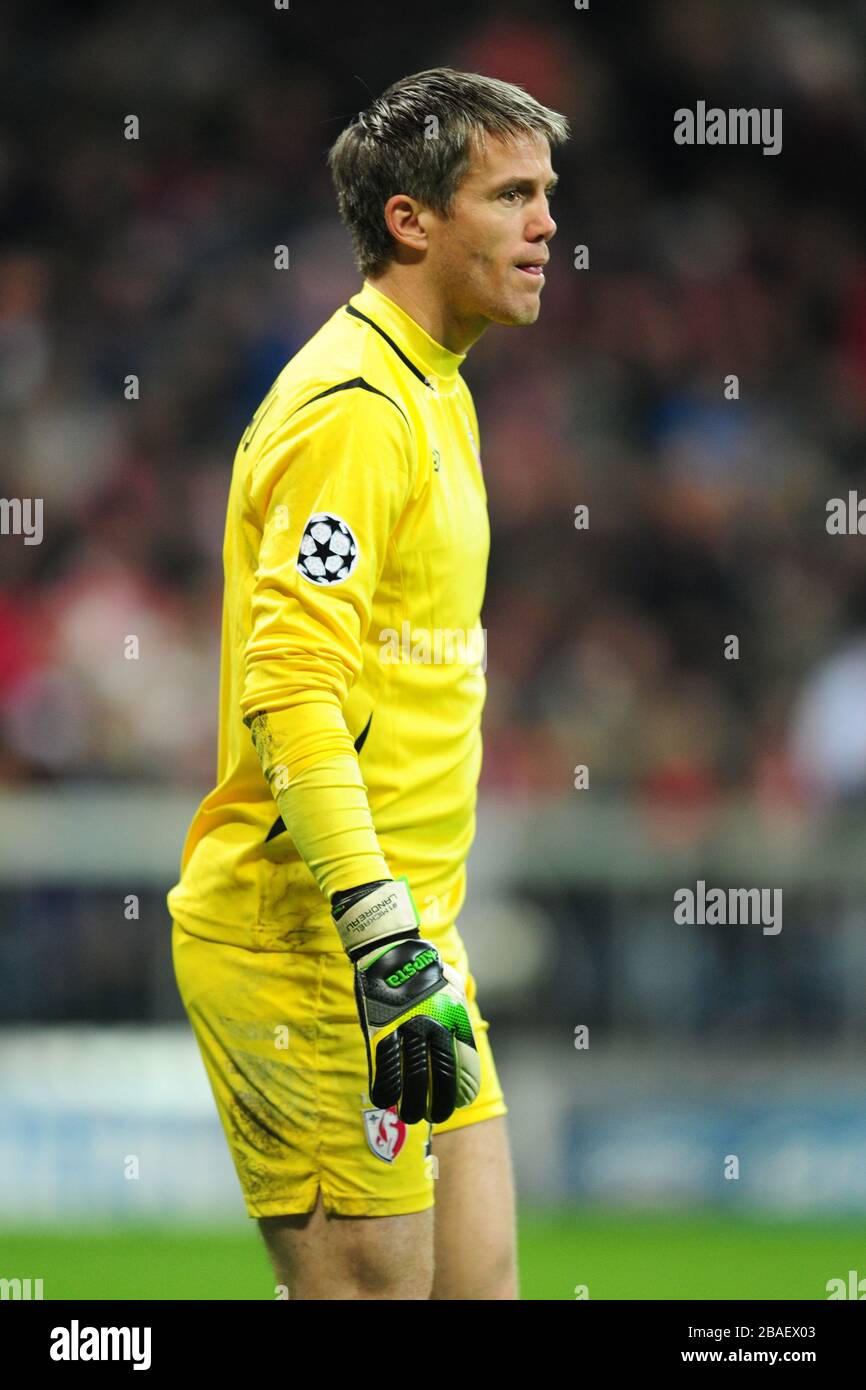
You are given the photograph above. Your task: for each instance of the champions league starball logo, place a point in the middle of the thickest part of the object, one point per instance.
(328, 552)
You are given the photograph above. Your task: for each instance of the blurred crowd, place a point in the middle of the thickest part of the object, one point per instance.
(607, 645)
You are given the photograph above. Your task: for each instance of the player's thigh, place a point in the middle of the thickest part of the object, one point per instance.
(325, 1256)
(475, 1231)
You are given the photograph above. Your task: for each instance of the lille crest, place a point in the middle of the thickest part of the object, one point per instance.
(386, 1132)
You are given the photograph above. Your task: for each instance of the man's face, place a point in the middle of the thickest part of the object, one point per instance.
(500, 221)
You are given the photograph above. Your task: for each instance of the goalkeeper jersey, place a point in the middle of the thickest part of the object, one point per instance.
(355, 559)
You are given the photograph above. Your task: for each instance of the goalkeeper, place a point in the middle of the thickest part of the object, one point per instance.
(314, 924)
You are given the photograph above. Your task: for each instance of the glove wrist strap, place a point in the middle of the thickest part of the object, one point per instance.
(386, 912)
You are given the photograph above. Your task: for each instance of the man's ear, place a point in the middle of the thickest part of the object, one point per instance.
(404, 220)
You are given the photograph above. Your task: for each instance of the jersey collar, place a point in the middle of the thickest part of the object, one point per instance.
(429, 359)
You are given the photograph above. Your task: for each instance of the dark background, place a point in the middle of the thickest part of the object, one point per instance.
(605, 646)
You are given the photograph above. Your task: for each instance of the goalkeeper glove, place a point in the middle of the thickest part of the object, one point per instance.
(421, 1053)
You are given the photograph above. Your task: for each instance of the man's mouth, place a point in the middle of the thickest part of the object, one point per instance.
(534, 268)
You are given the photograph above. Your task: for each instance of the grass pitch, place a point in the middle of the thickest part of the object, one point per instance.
(615, 1254)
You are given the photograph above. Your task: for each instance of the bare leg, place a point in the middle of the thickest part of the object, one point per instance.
(475, 1238)
(359, 1257)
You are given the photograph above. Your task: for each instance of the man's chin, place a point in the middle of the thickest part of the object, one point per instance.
(518, 316)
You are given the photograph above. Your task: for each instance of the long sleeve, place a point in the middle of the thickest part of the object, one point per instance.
(328, 488)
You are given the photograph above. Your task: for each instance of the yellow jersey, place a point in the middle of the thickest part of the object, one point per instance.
(355, 558)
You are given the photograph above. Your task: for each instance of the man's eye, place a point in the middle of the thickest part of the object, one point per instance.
(549, 192)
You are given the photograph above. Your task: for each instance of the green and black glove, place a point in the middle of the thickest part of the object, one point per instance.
(421, 1053)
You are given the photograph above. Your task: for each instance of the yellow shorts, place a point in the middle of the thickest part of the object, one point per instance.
(283, 1049)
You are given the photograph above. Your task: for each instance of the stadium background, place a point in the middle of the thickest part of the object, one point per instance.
(605, 646)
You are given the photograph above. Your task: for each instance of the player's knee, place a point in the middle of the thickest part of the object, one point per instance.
(492, 1279)
(375, 1274)
(370, 1282)
(369, 1259)
(501, 1283)
(411, 1283)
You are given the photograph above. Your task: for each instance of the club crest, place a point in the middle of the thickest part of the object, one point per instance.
(386, 1132)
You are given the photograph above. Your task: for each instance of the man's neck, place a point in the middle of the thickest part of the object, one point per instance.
(424, 306)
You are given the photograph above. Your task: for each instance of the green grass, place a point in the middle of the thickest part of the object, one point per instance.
(618, 1255)
(621, 1255)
